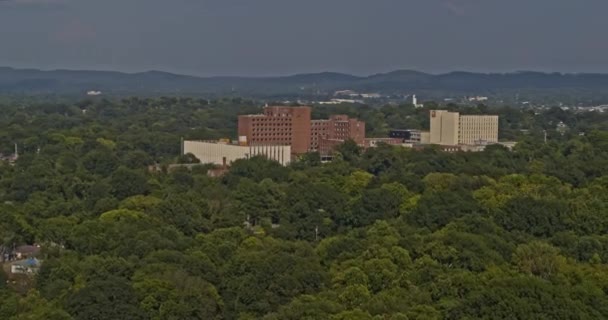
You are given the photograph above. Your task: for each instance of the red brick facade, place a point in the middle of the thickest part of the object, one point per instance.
(293, 126)
(277, 126)
(326, 134)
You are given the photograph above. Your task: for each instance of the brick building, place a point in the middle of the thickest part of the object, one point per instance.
(277, 126)
(327, 134)
(293, 126)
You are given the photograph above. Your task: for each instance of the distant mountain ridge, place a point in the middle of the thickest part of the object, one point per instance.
(33, 81)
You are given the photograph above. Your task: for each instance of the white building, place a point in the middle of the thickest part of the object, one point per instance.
(222, 153)
(444, 127)
(450, 128)
(28, 266)
(340, 101)
(478, 129)
(478, 99)
(371, 95)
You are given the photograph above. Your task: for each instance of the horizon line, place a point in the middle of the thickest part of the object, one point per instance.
(298, 73)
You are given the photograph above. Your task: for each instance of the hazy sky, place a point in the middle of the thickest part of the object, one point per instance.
(272, 37)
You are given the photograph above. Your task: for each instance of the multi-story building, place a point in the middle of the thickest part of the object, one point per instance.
(277, 126)
(325, 134)
(478, 129)
(450, 128)
(293, 126)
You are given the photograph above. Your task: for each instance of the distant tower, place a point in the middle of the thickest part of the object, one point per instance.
(16, 151)
(415, 102)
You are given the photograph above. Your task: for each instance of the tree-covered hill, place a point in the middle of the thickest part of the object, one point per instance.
(384, 233)
(590, 87)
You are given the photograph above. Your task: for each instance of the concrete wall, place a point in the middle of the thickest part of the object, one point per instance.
(444, 127)
(425, 137)
(435, 116)
(449, 128)
(209, 152)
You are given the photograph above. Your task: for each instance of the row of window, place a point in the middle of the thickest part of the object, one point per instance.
(275, 140)
(271, 135)
(261, 125)
(276, 115)
(270, 129)
(477, 133)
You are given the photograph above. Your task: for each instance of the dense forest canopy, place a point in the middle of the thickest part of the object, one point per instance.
(383, 233)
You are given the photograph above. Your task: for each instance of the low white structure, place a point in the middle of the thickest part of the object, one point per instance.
(371, 95)
(478, 98)
(222, 153)
(481, 147)
(29, 266)
(339, 101)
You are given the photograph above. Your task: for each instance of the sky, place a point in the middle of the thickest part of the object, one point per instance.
(280, 37)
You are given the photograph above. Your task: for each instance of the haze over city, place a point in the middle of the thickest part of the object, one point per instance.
(278, 37)
(303, 159)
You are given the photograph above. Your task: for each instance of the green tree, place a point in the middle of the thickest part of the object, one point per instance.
(105, 299)
(126, 183)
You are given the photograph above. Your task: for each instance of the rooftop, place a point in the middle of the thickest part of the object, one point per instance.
(27, 249)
